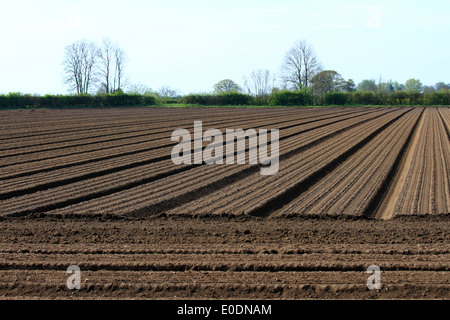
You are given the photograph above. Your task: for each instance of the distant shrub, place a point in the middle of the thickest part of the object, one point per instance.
(200, 99)
(233, 99)
(398, 98)
(364, 98)
(440, 98)
(170, 101)
(18, 100)
(415, 98)
(221, 99)
(406, 98)
(149, 100)
(290, 98)
(336, 98)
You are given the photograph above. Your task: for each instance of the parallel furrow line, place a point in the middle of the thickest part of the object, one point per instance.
(238, 175)
(162, 139)
(298, 188)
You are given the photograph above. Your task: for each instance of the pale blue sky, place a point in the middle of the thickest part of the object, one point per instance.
(191, 45)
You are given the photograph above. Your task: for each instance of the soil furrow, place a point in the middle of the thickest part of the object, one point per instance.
(250, 192)
(347, 187)
(190, 192)
(104, 172)
(175, 124)
(293, 192)
(159, 142)
(96, 157)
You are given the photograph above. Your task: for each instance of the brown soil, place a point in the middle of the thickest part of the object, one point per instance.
(97, 188)
(224, 258)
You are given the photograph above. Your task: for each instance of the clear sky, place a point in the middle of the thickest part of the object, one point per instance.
(191, 45)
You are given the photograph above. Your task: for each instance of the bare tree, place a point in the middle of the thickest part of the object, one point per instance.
(107, 59)
(112, 59)
(120, 59)
(139, 88)
(292, 68)
(80, 64)
(167, 92)
(300, 65)
(260, 85)
(85, 64)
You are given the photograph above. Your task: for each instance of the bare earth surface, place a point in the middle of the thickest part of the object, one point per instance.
(221, 258)
(97, 189)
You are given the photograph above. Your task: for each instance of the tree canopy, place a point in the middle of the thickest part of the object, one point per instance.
(226, 85)
(367, 86)
(327, 81)
(413, 85)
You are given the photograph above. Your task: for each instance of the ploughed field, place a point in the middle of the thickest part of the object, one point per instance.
(97, 188)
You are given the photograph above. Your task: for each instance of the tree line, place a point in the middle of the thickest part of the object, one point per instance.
(307, 98)
(303, 81)
(99, 68)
